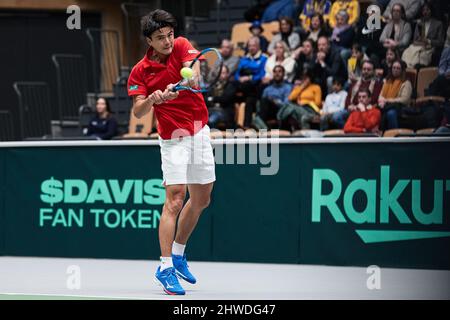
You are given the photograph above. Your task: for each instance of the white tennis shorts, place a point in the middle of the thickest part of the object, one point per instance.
(188, 160)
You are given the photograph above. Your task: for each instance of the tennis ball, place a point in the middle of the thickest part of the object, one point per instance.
(186, 73)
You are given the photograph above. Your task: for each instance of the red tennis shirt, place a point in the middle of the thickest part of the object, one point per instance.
(183, 112)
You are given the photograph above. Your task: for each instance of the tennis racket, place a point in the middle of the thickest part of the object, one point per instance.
(207, 66)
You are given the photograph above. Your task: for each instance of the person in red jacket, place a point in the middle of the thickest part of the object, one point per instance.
(366, 118)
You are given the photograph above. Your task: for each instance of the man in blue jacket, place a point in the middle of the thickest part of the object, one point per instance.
(248, 77)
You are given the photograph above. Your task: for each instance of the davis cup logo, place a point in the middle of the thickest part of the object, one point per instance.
(373, 21)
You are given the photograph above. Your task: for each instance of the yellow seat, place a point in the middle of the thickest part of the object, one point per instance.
(140, 128)
(396, 132)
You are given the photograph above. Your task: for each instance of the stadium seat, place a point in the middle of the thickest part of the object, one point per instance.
(239, 109)
(333, 133)
(6, 126)
(425, 132)
(34, 109)
(396, 132)
(278, 133)
(411, 75)
(308, 133)
(424, 78)
(217, 134)
(240, 33)
(140, 128)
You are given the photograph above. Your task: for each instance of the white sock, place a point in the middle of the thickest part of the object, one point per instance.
(166, 262)
(178, 249)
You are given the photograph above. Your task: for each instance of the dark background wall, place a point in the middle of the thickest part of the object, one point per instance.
(29, 38)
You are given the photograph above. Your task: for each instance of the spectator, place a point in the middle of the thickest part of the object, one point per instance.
(274, 96)
(342, 36)
(221, 101)
(411, 9)
(281, 57)
(354, 64)
(395, 95)
(311, 8)
(256, 30)
(317, 29)
(397, 33)
(278, 9)
(334, 103)
(441, 85)
(350, 6)
(305, 58)
(226, 50)
(365, 118)
(428, 38)
(386, 63)
(286, 34)
(248, 77)
(328, 65)
(103, 125)
(366, 81)
(305, 103)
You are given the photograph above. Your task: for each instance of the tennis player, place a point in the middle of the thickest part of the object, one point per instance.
(186, 151)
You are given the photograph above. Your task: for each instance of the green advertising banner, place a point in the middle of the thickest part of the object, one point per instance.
(384, 204)
(346, 203)
(88, 202)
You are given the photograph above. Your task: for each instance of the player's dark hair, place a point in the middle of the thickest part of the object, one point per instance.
(155, 20)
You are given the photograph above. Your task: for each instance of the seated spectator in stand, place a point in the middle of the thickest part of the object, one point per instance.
(305, 59)
(311, 8)
(286, 34)
(350, 6)
(365, 118)
(274, 96)
(220, 102)
(305, 103)
(428, 38)
(412, 8)
(441, 85)
(329, 65)
(226, 50)
(366, 81)
(343, 35)
(397, 33)
(256, 30)
(278, 9)
(355, 62)
(395, 95)
(248, 77)
(281, 57)
(386, 63)
(317, 29)
(334, 103)
(103, 125)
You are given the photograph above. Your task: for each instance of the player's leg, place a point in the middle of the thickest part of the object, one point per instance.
(165, 274)
(199, 198)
